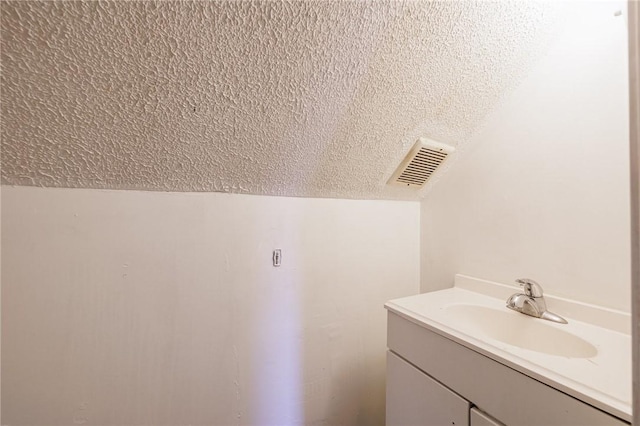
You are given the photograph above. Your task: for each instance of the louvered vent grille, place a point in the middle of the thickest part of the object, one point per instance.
(423, 160)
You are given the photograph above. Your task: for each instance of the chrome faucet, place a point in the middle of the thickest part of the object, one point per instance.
(532, 302)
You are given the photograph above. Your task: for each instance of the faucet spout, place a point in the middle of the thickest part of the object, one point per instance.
(532, 302)
(550, 316)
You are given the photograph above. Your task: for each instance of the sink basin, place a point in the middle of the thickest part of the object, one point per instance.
(519, 330)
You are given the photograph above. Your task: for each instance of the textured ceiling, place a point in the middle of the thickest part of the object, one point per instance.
(303, 98)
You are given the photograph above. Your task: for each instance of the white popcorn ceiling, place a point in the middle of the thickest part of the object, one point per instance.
(295, 98)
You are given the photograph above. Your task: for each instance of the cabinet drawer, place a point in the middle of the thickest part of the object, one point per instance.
(414, 398)
(508, 395)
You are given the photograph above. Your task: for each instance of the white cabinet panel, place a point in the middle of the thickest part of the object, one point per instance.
(414, 398)
(478, 418)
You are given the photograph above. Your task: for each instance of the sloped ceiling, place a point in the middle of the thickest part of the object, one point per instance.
(300, 98)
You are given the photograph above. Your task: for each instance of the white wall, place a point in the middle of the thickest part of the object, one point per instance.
(163, 308)
(542, 191)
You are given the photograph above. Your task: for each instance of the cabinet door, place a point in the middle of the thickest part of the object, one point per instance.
(415, 399)
(478, 418)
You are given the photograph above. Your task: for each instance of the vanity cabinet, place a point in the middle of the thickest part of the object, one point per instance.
(432, 380)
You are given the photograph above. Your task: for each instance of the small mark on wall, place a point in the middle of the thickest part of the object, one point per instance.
(81, 417)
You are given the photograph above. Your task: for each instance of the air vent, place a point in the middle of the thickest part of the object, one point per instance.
(421, 163)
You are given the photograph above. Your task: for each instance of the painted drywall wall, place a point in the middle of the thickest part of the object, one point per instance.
(543, 190)
(123, 307)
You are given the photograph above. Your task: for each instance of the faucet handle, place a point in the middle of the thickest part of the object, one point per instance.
(531, 288)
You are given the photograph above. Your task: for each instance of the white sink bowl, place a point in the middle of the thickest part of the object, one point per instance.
(520, 330)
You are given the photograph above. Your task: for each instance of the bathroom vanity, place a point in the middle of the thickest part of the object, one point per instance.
(459, 357)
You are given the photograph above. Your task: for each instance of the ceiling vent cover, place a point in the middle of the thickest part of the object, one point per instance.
(420, 163)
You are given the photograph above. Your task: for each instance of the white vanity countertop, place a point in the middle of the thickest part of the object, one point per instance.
(603, 379)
